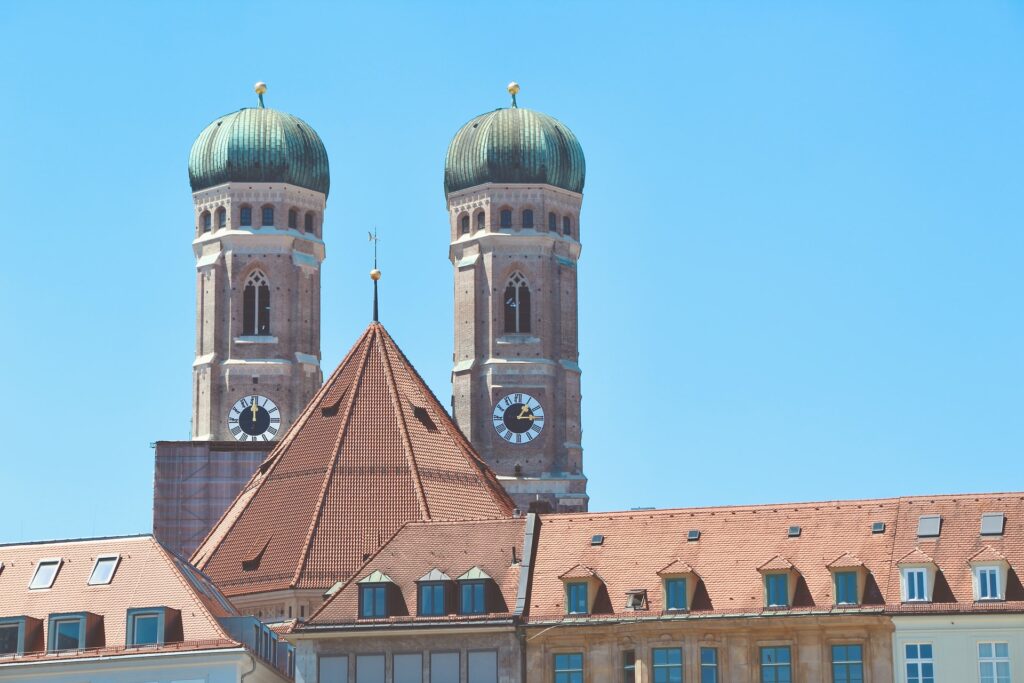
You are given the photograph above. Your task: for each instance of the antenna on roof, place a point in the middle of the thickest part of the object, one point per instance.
(374, 274)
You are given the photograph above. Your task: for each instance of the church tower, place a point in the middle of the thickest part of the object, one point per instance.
(259, 180)
(514, 182)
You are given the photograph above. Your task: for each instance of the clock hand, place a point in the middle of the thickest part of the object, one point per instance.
(255, 408)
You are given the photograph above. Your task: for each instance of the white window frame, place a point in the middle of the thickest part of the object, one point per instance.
(117, 561)
(907, 573)
(980, 572)
(46, 561)
(994, 660)
(919, 660)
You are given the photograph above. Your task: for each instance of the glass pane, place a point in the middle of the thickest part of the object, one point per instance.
(984, 649)
(146, 627)
(1002, 649)
(483, 667)
(911, 651)
(45, 574)
(9, 639)
(334, 670)
(926, 651)
(444, 667)
(68, 633)
(370, 669)
(708, 655)
(409, 668)
(103, 571)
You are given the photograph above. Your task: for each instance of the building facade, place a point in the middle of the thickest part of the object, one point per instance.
(260, 180)
(514, 182)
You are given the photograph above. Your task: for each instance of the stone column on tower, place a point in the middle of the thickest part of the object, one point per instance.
(513, 182)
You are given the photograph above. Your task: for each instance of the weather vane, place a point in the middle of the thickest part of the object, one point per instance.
(374, 274)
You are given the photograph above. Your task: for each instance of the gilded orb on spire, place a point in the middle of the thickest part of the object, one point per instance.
(260, 88)
(513, 90)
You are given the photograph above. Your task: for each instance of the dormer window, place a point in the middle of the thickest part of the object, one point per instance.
(46, 573)
(473, 591)
(636, 599)
(915, 585)
(675, 594)
(103, 570)
(145, 627)
(374, 591)
(10, 635)
(988, 583)
(846, 587)
(776, 587)
(432, 600)
(849, 576)
(70, 631)
(990, 570)
(577, 597)
(19, 635)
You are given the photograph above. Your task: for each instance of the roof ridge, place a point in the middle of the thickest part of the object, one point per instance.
(329, 475)
(403, 425)
(64, 541)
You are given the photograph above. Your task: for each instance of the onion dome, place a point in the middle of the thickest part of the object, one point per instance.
(514, 145)
(259, 145)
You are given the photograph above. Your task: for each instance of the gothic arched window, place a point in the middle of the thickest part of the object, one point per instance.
(552, 222)
(245, 216)
(206, 221)
(465, 225)
(293, 219)
(480, 221)
(222, 217)
(517, 305)
(528, 218)
(256, 305)
(268, 216)
(506, 218)
(309, 221)
(566, 225)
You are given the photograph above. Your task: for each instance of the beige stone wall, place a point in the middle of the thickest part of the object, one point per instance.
(285, 365)
(490, 363)
(738, 641)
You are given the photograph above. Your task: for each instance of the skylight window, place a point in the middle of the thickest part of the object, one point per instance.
(103, 570)
(992, 524)
(693, 535)
(597, 539)
(878, 528)
(794, 532)
(46, 573)
(928, 526)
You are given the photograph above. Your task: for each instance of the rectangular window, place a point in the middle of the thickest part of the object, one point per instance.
(9, 636)
(776, 665)
(268, 215)
(667, 665)
(370, 669)
(506, 218)
(847, 664)
(709, 665)
(777, 590)
(483, 667)
(145, 629)
(920, 666)
(675, 593)
(246, 216)
(46, 572)
(846, 588)
(373, 602)
(333, 670)
(569, 668)
(444, 667)
(577, 598)
(431, 599)
(103, 570)
(988, 583)
(915, 582)
(409, 668)
(473, 597)
(994, 662)
(66, 634)
(629, 666)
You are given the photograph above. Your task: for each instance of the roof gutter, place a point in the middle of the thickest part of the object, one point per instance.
(342, 630)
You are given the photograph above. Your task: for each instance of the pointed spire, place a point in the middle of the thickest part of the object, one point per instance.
(513, 89)
(260, 88)
(374, 274)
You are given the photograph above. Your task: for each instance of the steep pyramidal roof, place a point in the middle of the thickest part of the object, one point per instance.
(372, 451)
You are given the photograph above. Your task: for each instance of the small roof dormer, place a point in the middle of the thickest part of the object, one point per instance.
(581, 586)
(849, 577)
(780, 577)
(674, 576)
(917, 576)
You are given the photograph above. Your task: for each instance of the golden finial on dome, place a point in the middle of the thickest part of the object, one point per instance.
(374, 274)
(513, 90)
(260, 88)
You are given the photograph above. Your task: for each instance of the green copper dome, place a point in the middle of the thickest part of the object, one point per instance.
(514, 146)
(259, 146)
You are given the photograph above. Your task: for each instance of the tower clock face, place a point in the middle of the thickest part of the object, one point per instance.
(518, 418)
(254, 418)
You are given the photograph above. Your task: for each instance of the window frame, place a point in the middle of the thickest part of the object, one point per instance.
(628, 666)
(552, 221)
(517, 304)
(846, 575)
(245, 216)
(572, 587)
(372, 588)
(443, 653)
(265, 210)
(994, 659)
(526, 216)
(485, 651)
(502, 215)
(920, 661)
(59, 561)
(434, 587)
(221, 217)
(847, 662)
(669, 582)
(763, 667)
(570, 672)
(706, 666)
(206, 221)
(992, 570)
(473, 585)
(53, 630)
(131, 621)
(905, 575)
(309, 223)
(116, 557)
(770, 579)
(669, 667)
(260, 314)
(567, 226)
(18, 623)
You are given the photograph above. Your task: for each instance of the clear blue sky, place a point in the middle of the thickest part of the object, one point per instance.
(802, 264)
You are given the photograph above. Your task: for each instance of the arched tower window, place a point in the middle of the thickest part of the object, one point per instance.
(506, 218)
(309, 221)
(552, 222)
(517, 305)
(293, 219)
(465, 225)
(205, 219)
(268, 216)
(566, 225)
(528, 218)
(256, 305)
(480, 221)
(245, 216)
(222, 217)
